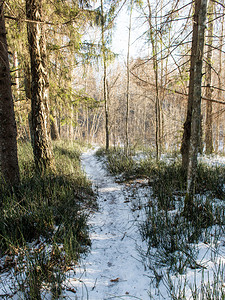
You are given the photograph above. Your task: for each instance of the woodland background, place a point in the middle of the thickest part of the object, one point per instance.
(76, 54)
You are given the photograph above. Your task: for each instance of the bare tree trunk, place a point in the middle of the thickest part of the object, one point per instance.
(185, 146)
(156, 69)
(16, 66)
(93, 126)
(200, 15)
(27, 85)
(54, 128)
(27, 81)
(208, 132)
(21, 127)
(16, 95)
(87, 124)
(71, 134)
(42, 147)
(128, 84)
(97, 123)
(219, 95)
(104, 80)
(8, 144)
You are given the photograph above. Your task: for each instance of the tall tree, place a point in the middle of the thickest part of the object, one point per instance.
(154, 43)
(128, 82)
(208, 79)
(105, 17)
(185, 146)
(8, 144)
(220, 112)
(42, 146)
(104, 76)
(195, 89)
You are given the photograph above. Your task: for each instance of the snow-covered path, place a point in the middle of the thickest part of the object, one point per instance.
(113, 269)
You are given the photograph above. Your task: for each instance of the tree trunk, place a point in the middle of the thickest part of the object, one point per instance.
(208, 132)
(42, 146)
(54, 129)
(185, 146)
(128, 84)
(27, 85)
(104, 80)
(8, 144)
(156, 73)
(17, 81)
(200, 15)
(71, 136)
(219, 119)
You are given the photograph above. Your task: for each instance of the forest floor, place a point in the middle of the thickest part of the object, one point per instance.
(117, 268)
(128, 261)
(114, 268)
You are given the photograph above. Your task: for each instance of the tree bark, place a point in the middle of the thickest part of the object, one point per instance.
(154, 42)
(8, 133)
(17, 81)
(42, 147)
(128, 84)
(54, 128)
(27, 85)
(219, 119)
(208, 132)
(200, 12)
(185, 146)
(104, 79)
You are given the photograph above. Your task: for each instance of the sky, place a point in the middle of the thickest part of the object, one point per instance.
(120, 34)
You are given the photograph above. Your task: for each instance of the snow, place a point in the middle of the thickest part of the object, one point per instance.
(113, 269)
(212, 160)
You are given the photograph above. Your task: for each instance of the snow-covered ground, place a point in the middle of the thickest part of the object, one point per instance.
(212, 160)
(113, 269)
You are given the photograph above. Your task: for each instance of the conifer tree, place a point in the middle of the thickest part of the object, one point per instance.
(42, 146)
(8, 144)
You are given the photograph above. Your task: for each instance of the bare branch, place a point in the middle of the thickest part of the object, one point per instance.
(175, 91)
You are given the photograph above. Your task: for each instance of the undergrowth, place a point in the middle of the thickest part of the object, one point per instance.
(43, 223)
(170, 237)
(167, 173)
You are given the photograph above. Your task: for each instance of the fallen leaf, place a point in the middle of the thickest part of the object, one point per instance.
(71, 290)
(115, 280)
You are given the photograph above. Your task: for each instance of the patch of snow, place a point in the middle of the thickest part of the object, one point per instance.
(212, 160)
(114, 267)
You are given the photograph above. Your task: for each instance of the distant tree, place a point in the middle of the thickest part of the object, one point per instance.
(17, 43)
(40, 121)
(8, 144)
(105, 16)
(220, 111)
